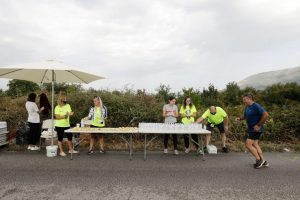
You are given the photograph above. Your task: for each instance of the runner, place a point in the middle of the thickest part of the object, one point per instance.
(255, 115)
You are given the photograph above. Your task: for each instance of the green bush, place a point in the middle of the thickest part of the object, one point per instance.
(283, 124)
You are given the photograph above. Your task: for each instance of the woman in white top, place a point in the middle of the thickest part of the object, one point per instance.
(33, 121)
(170, 113)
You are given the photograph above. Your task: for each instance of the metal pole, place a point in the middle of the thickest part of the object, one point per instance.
(52, 107)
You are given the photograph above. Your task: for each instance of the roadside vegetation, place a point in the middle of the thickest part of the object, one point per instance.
(282, 101)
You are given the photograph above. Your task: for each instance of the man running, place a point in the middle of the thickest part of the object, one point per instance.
(255, 115)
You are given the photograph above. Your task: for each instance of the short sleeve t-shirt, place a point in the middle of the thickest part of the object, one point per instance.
(170, 111)
(217, 118)
(187, 110)
(32, 109)
(253, 114)
(62, 110)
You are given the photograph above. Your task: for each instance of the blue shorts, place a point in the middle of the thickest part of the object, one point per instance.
(254, 135)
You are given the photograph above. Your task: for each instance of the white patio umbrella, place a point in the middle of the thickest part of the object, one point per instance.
(49, 71)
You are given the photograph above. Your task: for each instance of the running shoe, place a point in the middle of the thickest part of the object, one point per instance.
(73, 151)
(266, 164)
(102, 151)
(259, 164)
(225, 150)
(187, 150)
(176, 152)
(62, 154)
(90, 152)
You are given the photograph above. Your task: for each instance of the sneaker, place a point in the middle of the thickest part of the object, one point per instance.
(90, 152)
(199, 151)
(258, 164)
(35, 148)
(225, 150)
(205, 149)
(102, 151)
(176, 152)
(73, 151)
(165, 151)
(62, 154)
(187, 150)
(265, 164)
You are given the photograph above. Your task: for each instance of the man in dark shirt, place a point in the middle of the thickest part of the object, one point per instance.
(255, 115)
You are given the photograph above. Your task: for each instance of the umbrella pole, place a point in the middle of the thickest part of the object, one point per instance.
(52, 107)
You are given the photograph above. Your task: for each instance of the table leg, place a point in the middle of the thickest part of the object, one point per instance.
(72, 151)
(130, 147)
(145, 148)
(203, 156)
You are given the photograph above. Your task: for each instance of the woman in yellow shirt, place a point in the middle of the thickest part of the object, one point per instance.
(188, 112)
(62, 113)
(97, 115)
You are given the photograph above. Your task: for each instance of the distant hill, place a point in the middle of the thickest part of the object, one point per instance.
(262, 80)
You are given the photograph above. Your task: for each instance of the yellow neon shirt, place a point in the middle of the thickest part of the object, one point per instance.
(184, 111)
(217, 118)
(62, 110)
(98, 118)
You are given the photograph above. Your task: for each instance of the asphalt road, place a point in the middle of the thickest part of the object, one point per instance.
(32, 175)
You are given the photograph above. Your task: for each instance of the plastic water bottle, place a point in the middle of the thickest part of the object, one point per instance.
(81, 123)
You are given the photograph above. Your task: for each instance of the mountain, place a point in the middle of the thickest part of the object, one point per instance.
(262, 80)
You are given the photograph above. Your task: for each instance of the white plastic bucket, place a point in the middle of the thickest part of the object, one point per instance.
(212, 149)
(51, 151)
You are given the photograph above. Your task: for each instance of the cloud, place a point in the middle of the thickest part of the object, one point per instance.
(145, 43)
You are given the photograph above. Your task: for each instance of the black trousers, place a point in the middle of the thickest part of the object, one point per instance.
(34, 133)
(166, 139)
(187, 142)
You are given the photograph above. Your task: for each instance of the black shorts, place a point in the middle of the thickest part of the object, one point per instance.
(60, 133)
(254, 135)
(220, 126)
(96, 135)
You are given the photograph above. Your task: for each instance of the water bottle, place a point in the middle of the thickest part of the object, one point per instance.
(81, 123)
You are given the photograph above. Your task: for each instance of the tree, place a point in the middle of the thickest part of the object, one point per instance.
(209, 97)
(17, 88)
(232, 94)
(69, 88)
(191, 92)
(163, 92)
(281, 94)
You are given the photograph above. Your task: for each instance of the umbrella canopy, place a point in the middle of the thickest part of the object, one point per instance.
(49, 71)
(46, 72)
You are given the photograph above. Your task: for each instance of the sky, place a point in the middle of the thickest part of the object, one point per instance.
(141, 44)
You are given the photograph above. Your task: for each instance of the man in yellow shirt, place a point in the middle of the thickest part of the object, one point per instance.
(216, 117)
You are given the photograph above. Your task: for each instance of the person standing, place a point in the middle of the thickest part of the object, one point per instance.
(33, 121)
(97, 115)
(62, 113)
(188, 113)
(170, 113)
(216, 117)
(44, 102)
(255, 116)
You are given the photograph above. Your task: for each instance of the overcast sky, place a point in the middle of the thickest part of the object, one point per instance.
(142, 44)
